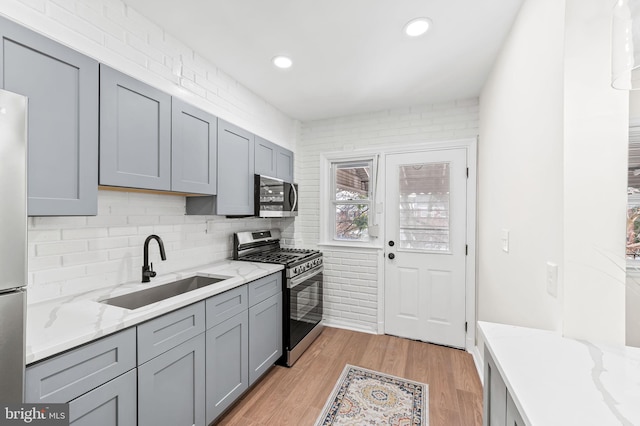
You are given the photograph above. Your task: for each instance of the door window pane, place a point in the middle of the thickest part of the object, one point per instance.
(424, 206)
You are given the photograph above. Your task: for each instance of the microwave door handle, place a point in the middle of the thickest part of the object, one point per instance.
(295, 197)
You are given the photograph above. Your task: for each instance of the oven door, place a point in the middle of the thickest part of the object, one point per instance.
(304, 297)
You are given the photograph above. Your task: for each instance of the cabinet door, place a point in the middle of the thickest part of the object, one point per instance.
(513, 415)
(135, 133)
(227, 372)
(62, 86)
(284, 165)
(235, 170)
(265, 335)
(193, 149)
(495, 394)
(273, 160)
(112, 404)
(265, 157)
(171, 387)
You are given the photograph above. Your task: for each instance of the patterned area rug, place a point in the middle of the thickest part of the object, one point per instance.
(366, 397)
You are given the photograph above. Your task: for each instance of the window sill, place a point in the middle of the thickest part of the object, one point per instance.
(350, 245)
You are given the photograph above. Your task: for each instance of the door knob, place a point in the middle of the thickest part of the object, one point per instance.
(391, 243)
(392, 256)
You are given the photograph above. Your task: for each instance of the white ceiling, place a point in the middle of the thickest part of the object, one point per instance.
(350, 56)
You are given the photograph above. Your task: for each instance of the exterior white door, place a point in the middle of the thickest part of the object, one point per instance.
(425, 246)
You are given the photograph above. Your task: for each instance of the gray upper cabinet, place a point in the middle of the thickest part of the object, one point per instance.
(193, 149)
(62, 86)
(273, 160)
(135, 133)
(235, 170)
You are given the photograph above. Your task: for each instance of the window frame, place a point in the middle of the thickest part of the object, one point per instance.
(335, 166)
(328, 202)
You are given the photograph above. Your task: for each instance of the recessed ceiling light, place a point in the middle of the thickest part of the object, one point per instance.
(282, 61)
(417, 27)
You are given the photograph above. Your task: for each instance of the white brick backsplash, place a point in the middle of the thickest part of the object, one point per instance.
(70, 255)
(47, 249)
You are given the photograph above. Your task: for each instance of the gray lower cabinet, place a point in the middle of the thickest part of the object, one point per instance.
(273, 160)
(135, 133)
(171, 386)
(193, 149)
(265, 335)
(226, 366)
(112, 404)
(235, 170)
(98, 381)
(62, 87)
(499, 408)
(513, 415)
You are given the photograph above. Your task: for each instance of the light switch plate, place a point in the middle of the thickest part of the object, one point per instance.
(552, 279)
(505, 240)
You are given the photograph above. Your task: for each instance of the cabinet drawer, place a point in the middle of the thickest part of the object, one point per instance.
(225, 305)
(264, 288)
(67, 376)
(163, 333)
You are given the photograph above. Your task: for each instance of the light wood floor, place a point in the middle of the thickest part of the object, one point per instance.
(295, 396)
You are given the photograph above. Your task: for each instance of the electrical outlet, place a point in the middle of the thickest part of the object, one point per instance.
(505, 240)
(552, 279)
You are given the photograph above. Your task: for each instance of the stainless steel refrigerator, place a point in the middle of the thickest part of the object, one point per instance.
(13, 244)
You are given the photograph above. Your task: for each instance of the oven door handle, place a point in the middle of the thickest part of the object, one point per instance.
(292, 282)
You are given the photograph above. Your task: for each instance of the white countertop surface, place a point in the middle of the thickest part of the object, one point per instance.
(54, 326)
(560, 381)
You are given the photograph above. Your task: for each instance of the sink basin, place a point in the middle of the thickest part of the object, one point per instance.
(151, 295)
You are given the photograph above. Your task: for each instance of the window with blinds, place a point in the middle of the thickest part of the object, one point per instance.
(424, 206)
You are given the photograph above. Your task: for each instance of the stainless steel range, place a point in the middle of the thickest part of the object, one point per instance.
(302, 286)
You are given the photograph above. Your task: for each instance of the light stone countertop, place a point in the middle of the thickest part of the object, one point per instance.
(57, 325)
(560, 381)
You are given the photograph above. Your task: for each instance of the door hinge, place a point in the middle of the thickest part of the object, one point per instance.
(465, 326)
(467, 173)
(466, 250)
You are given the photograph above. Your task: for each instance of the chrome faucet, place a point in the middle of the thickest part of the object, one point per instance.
(147, 271)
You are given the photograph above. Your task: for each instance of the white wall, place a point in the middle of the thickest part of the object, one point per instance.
(595, 177)
(351, 275)
(520, 167)
(72, 254)
(552, 171)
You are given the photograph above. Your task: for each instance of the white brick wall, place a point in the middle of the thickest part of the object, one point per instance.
(115, 34)
(68, 255)
(351, 277)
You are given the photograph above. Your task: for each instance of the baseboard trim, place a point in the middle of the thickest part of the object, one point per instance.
(337, 324)
(479, 362)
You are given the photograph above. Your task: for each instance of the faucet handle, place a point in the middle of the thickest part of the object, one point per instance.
(152, 273)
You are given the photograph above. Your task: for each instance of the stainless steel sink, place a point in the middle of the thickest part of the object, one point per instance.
(151, 295)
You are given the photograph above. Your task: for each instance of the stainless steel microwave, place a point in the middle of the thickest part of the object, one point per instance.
(275, 197)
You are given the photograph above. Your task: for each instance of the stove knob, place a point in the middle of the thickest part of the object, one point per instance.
(295, 270)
